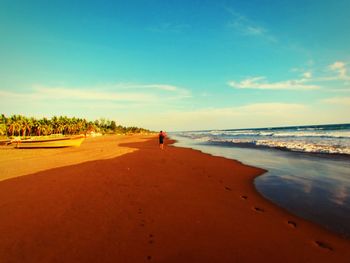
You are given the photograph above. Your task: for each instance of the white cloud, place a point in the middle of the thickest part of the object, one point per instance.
(261, 83)
(338, 100)
(336, 71)
(307, 75)
(340, 68)
(302, 83)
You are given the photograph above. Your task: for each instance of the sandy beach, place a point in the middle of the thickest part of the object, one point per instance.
(122, 199)
(18, 162)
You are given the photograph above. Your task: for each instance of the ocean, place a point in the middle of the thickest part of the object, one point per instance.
(308, 166)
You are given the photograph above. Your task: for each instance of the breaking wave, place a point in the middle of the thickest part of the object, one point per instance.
(332, 139)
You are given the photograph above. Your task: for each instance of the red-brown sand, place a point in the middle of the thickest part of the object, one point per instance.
(175, 205)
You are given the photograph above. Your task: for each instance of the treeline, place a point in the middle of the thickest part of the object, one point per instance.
(19, 125)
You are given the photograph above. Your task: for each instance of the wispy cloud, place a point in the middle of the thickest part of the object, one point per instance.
(246, 26)
(45, 93)
(121, 93)
(261, 83)
(129, 103)
(42, 92)
(171, 89)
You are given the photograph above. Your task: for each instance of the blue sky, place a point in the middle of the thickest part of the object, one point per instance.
(177, 65)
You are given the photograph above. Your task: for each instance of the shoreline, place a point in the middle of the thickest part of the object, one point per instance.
(312, 187)
(325, 155)
(263, 171)
(176, 205)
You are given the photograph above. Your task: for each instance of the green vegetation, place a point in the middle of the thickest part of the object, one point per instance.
(18, 125)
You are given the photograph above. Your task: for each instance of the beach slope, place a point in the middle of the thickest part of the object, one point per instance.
(149, 205)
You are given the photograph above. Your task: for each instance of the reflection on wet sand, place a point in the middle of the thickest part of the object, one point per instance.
(341, 194)
(316, 187)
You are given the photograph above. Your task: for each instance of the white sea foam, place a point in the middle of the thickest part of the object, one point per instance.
(334, 134)
(283, 133)
(300, 146)
(202, 139)
(303, 139)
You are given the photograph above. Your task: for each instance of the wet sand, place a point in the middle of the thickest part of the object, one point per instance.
(176, 205)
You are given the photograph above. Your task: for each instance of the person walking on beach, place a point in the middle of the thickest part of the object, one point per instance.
(161, 139)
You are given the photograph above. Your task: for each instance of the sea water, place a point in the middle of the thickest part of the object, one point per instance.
(308, 166)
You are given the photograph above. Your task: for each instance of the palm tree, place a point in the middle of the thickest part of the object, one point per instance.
(14, 125)
(3, 127)
(54, 124)
(18, 125)
(26, 125)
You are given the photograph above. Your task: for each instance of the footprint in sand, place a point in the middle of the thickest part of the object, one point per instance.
(142, 224)
(258, 209)
(244, 197)
(151, 241)
(323, 245)
(292, 223)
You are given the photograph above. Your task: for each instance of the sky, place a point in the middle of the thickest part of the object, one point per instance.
(177, 65)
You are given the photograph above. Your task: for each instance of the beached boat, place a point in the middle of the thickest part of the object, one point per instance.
(5, 142)
(75, 141)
